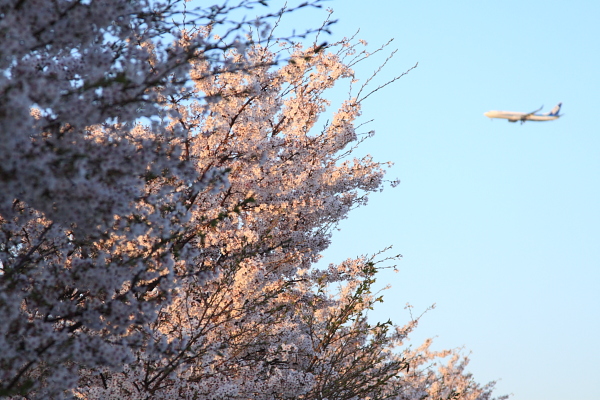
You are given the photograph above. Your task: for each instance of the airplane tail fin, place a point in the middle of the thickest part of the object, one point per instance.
(554, 112)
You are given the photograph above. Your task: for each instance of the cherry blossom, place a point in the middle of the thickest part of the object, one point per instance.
(164, 207)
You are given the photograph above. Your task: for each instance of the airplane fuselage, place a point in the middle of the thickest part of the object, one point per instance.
(518, 116)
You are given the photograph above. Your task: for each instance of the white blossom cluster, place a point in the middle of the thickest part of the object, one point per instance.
(175, 259)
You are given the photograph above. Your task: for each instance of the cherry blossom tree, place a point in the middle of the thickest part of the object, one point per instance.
(164, 207)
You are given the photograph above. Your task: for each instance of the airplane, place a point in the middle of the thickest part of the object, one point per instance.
(532, 116)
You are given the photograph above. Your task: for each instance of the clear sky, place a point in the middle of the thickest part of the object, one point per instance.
(498, 222)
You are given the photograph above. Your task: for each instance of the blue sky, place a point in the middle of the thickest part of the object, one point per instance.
(498, 223)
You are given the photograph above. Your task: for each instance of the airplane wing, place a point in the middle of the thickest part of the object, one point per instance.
(533, 112)
(526, 116)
